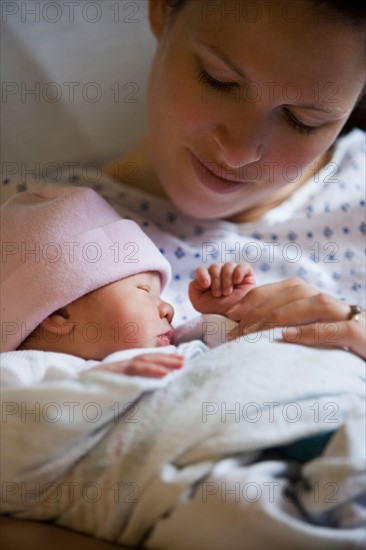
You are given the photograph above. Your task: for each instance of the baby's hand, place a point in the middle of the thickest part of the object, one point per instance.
(220, 287)
(151, 365)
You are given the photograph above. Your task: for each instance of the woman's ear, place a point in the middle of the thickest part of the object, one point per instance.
(58, 323)
(158, 16)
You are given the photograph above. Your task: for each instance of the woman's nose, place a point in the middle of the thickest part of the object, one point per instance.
(166, 311)
(237, 148)
(240, 139)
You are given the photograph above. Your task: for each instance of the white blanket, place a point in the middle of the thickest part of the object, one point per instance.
(203, 459)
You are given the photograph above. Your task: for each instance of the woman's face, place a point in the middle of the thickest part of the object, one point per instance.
(245, 99)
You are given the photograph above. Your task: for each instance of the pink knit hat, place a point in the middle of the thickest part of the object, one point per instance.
(57, 246)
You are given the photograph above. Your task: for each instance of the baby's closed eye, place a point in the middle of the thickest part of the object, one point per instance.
(145, 288)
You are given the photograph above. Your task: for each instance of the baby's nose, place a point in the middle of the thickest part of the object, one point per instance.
(166, 311)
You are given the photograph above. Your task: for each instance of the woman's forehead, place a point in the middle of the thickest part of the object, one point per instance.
(279, 48)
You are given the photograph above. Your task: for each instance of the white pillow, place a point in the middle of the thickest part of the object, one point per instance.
(88, 63)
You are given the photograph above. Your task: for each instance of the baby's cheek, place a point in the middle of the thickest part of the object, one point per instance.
(126, 335)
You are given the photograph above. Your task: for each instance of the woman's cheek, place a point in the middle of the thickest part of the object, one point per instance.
(293, 153)
(183, 104)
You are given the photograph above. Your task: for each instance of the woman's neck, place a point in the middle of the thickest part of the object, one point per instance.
(137, 163)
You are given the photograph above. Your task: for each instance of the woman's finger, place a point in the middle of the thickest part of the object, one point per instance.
(319, 307)
(272, 309)
(268, 297)
(344, 334)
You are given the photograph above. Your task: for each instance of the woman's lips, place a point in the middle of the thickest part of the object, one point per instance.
(213, 181)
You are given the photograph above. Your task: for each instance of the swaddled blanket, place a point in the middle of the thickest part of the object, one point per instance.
(243, 448)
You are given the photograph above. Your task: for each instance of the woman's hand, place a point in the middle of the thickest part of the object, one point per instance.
(311, 317)
(150, 365)
(217, 288)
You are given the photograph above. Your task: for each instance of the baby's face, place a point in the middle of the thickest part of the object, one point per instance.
(122, 315)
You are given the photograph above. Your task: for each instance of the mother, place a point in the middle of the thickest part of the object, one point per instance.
(246, 103)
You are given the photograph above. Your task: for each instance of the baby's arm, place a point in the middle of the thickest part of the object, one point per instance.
(151, 365)
(218, 288)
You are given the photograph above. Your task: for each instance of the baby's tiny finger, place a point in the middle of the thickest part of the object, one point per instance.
(243, 271)
(203, 277)
(215, 271)
(164, 359)
(227, 278)
(153, 371)
(173, 362)
(162, 368)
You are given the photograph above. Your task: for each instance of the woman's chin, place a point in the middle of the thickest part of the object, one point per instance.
(197, 207)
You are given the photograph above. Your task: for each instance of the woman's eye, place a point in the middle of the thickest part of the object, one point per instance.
(302, 128)
(228, 87)
(211, 82)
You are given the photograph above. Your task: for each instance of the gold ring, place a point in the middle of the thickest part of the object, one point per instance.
(354, 314)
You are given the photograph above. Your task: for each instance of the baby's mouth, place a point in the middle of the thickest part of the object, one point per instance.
(166, 339)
